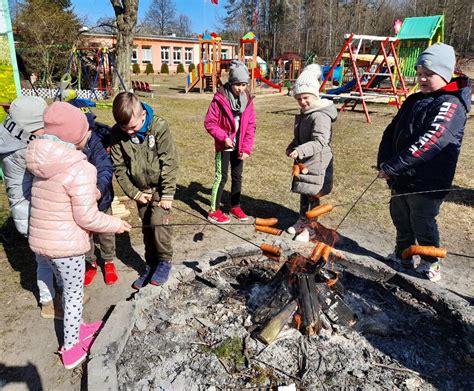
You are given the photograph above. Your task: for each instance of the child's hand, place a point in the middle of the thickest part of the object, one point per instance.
(293, 154)
(383, 174)
(144, 198)
(98, 194)
(165, 204)
(124, 228)
(228, 143)
(243, 156)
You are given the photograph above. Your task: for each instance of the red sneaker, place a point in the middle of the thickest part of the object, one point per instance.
(110, 273)
(238, 213)
(218, 217)
(91, 271)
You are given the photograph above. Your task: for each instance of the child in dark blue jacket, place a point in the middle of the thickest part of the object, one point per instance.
(419, 152)
(96, 153)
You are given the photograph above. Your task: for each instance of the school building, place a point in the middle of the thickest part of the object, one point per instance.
(158, 49)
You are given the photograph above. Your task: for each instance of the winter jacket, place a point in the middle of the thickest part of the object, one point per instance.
(13, 143)
(312, 138)
(150, 166)
(100, 159)
(63, 200)
(220, 123)
(420, 148)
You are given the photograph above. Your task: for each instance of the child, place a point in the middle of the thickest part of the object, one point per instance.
(146, 164)
(311, 146)
(63, 211)
(419, 152)
(230, 120)
(98, 157)
(23, 124)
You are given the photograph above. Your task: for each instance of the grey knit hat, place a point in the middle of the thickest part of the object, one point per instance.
(27, 112)
(440, 59)
(238, 72)
(308, 81)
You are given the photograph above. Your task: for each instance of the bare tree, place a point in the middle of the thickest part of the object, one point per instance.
(126, 21)
(161, 16)
(183, 26)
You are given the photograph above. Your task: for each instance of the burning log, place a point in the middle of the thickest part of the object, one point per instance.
(333, 307)
(270, 222)
(272, 328)
(309, 305)
(268, 230)
(429, 251)
(318, 211)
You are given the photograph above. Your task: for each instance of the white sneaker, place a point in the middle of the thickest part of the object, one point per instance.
(405, 263)
(431, 271)
(303, 236)
(297, 226)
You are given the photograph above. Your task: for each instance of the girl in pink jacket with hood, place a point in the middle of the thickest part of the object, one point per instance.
(63, 212)
(231, 121)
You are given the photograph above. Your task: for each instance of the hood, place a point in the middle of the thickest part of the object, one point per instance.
(13, 141)
(462, 88)
(47, 158)
(325, 106)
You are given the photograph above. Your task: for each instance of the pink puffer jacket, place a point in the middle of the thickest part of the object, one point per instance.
(63, 201)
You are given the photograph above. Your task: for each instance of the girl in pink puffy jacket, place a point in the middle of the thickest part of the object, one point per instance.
(63, 212)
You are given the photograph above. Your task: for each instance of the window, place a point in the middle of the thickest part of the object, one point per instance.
(224, 54)
(176, 55)
(146, 54)
(134, 56)
(188, 55)
(165, 55)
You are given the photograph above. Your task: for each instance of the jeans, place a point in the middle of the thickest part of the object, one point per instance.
(414, 217)
(106, 245)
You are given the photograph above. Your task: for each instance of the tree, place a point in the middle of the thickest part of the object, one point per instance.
(161, 16)
(126, 21)
(165, 68)
(136, 69)
(183, 26)
(149, 68)
(180, 68)
(46, 31)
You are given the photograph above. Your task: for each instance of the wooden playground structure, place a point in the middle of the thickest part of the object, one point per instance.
(368, 71)
(208, 70)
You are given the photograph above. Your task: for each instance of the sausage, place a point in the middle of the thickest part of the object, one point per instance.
(296, 170)
(429, 251)
(326, 251)
(317, 252)
(270, 222)
(268, 248)
(268, 230)
(318, 211)
(303, 168)
(273, 257)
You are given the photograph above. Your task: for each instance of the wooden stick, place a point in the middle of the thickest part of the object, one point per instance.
(318, 211)
(270, 222)
(268, 230)
(429, 251)
(268, 248)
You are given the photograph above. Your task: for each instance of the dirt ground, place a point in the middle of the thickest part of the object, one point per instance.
(28, 343)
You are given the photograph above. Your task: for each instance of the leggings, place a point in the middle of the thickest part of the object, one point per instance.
(45, 274)
(71, 270)
(222, 160)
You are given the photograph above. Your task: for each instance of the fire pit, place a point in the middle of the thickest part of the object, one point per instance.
(247, 323)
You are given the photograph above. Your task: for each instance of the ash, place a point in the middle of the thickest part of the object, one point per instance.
(199, 337)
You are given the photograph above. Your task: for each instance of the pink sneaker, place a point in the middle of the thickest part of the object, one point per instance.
(73, 356)
(238, 213)
(88, 333)
(218, 217)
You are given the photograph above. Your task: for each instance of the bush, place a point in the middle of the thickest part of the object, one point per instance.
(191, 68)
(136, 69)
(165, 69)
(180, 68)
(149, 69)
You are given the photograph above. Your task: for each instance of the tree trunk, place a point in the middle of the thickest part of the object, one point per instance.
(126, 18)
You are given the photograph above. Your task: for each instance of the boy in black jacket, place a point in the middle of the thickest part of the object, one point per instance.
(419, 152)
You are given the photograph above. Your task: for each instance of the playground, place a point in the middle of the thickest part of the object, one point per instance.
(29, 350)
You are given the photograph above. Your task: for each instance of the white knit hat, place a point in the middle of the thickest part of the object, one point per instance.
(308, 81)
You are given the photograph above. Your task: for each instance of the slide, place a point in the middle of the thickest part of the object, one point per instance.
(344, 88)
(258, 75)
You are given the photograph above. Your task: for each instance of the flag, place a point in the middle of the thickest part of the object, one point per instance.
(214, 2)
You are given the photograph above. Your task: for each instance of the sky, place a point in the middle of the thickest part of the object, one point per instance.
(203, 14)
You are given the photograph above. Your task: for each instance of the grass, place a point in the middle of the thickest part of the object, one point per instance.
(267, 176)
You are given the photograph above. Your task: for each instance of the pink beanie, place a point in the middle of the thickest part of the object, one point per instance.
(66, 122)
